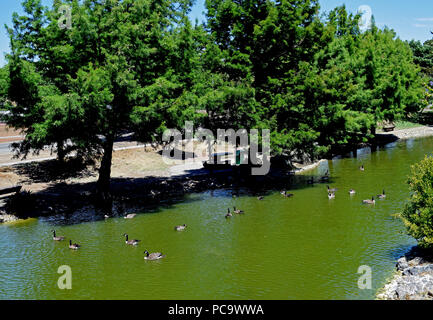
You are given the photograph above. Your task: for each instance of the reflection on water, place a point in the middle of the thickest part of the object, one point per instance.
(305, 247)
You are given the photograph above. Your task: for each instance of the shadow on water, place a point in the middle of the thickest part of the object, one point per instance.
(73, 203)
(399, 250)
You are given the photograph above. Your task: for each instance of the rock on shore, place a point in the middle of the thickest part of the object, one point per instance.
(413, 279)
(5, 218)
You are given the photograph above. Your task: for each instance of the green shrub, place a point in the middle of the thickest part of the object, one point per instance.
(418, 212)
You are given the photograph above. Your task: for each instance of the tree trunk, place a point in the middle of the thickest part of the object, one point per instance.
(61, 151)
(103, 184)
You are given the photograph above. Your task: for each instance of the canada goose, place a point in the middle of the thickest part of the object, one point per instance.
(331, 195)
(325, 177)
(382, 196)
(351, 191)
(362, 167)
(369, 201)
(153, 256)
(229, 214)
(73, 246)
(57, 238)
(331, 190)
(260, 198)
(237, 211)
(180, 228)
(130, 216)
(133, 242)
(288, 195)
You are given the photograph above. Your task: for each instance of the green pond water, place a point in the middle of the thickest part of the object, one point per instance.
(305, 247)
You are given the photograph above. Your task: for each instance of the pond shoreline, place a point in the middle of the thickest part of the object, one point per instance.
(412, 279)
(413, 276)
(133, 193)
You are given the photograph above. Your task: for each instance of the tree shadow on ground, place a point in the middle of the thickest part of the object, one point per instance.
(53, 170)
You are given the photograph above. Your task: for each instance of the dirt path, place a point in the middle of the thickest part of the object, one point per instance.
(5, 131)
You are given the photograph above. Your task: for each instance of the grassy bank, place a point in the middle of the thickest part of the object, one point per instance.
(403, 124)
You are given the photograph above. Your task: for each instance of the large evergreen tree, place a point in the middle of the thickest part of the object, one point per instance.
(320, 86)
(258, 49)
(123, 64)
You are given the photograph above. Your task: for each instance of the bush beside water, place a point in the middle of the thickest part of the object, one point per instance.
(418, 212)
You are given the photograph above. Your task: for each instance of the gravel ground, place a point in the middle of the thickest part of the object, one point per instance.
(417, 132)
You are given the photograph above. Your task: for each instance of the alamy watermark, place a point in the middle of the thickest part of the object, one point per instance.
(65, 280)
(364, 281)
(241, 147)
(65, 20)
(366, 13)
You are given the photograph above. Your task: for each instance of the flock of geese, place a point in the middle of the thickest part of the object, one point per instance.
(331, 192)
(159, 255)
(236, 211)
(73, 246)
(331, 195)
(133, 242)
